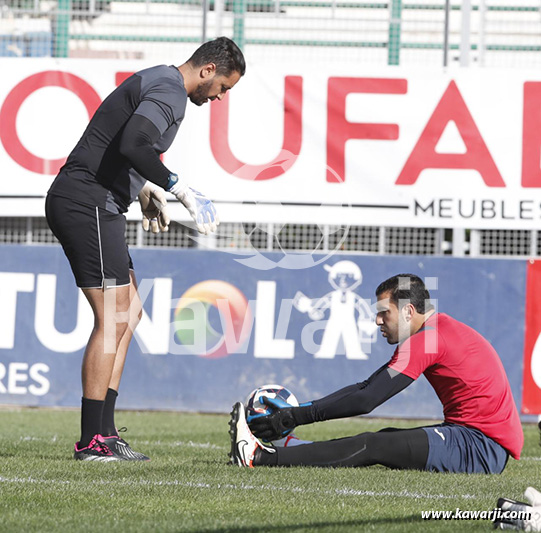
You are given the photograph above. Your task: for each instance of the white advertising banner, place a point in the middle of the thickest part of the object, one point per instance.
(304, 143)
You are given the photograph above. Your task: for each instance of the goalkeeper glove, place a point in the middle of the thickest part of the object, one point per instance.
(275, 425)
(154, 209)
(531, 512)
(201, 209)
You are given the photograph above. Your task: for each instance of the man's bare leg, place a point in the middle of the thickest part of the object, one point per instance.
(110, 307)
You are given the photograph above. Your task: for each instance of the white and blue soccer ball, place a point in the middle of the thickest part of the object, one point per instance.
(254, 405)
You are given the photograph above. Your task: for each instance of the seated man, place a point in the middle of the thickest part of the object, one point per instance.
(481, 425)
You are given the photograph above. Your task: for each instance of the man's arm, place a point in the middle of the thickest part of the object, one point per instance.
(137, 145)
(357, 399)
(361, 398)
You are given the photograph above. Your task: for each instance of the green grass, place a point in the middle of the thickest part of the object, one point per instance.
(188, 485)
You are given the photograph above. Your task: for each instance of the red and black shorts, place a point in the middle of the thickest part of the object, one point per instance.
(93, 240)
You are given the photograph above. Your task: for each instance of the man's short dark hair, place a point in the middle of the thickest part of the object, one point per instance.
(224, 53)
(407, 288)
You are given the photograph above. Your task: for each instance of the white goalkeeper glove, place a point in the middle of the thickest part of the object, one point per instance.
(154, 209)
(531, 512)
(201, 209)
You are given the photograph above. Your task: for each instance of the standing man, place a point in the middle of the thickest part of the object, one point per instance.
(481, 425)
(118, 152)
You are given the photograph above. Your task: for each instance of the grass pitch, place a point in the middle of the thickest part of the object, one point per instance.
(188, 485)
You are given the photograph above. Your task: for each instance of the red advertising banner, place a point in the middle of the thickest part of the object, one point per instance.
(531, 390)
(302, 143)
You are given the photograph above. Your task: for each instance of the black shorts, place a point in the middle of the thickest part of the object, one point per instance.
(93, 240)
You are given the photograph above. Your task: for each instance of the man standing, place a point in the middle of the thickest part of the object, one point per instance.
(481, 425)
(118, 152)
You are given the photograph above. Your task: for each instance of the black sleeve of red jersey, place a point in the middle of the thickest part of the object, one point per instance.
(360, 398)
(137, 145)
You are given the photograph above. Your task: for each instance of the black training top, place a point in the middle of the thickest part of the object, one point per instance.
(356, 399)
(121, 145)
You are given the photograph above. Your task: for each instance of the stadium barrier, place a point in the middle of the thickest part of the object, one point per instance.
(217, 324)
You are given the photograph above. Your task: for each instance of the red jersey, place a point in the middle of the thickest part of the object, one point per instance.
(468, 377)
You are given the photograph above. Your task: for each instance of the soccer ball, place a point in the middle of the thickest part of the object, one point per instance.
(254, 406)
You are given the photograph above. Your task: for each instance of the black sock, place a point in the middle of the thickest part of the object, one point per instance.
(91, 413)
(403, 449)
(108, 427)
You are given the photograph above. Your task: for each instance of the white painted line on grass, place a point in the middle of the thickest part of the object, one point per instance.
(242, 486)
(180, 443)
(204, 445)
(186, 444)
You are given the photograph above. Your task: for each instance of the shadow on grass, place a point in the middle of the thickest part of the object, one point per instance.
(315, 526)
(5, 455)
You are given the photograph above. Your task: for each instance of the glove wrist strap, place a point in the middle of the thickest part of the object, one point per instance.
(175, 185)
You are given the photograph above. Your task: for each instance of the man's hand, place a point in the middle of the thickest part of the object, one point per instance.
(278, 423)
(154, 209)
(199, 206)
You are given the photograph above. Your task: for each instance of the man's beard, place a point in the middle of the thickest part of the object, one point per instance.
(201, 93)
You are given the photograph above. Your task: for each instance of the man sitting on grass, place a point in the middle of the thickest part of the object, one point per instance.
(481, 425)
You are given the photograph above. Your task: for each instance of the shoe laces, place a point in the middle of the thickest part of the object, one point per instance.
(100, 447)
(105, 449)
(123, 429)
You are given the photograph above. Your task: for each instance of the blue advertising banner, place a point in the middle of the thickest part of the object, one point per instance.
(215, 326)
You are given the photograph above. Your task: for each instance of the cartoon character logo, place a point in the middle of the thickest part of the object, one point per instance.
(194, 325)
(350, 316)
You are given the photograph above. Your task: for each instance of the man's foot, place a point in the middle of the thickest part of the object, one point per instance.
(243, 443)
(121, 448)
(97, 450)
